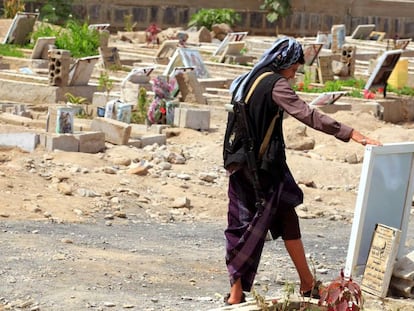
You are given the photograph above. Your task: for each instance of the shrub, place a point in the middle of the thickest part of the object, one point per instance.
(74, 37)
(209, 17)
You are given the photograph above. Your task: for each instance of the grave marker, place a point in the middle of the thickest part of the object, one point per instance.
(384, 197)
(230, 37)
(81, 71)
(185, 57)
(381, 259)
(42, 47)
(21, 27)
(362, 32)
(383, 69)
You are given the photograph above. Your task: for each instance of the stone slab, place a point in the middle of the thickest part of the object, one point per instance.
(197, 119)
(91, 142)
(25, 141)
(116, 132)
(63, 142)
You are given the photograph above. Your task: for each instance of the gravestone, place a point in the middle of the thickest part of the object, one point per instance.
(338, 37)
(381, 260)
(345, 67)
(383, 69)
(233, 53)
(110, 57)
(362, 32)
(401, 44)
(377, 36)
(81, 71)
(230, 37)
(20, 29)
(134, 80)
(42, 47)
(166, 51)
(325, 38)
(385, 194)
(185, 57)
(190, 89)
(311, 51)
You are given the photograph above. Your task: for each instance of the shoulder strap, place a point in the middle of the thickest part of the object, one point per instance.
(256, 82)
(269, 131)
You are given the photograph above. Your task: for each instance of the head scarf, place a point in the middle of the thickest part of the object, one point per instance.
(284, 53)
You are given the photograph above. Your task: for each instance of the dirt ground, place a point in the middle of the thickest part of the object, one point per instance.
(80, 232)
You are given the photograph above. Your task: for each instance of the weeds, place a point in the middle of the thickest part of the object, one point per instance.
(10, 50)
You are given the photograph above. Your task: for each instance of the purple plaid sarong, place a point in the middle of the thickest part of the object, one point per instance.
(247, 229)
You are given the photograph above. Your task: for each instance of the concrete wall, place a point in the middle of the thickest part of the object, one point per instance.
(392, 17)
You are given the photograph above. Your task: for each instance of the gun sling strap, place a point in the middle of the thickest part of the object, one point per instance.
(269, 131)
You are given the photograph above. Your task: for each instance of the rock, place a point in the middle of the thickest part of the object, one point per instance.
(181, 202)
(65, 188)
(139, 170)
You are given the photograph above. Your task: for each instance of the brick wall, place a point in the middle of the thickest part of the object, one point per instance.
(393, 17)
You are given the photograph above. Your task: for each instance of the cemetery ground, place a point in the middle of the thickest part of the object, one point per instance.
(79, 232)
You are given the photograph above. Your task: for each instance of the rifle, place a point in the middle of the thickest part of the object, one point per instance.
(240, 108)
(248, 141)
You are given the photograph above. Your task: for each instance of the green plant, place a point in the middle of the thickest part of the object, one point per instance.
(10, 50)
(105, 83)
(209, 17)
(276, 9)
(140, 113)
(342, 294)
(79, 100)
(11, 7)
(74, 37)
(129, 26)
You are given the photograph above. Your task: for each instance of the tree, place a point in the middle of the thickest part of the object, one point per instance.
(276, 9)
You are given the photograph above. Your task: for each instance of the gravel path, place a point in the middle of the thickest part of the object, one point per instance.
(142, 265)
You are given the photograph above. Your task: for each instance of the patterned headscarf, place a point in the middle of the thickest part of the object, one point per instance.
(284, 53)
